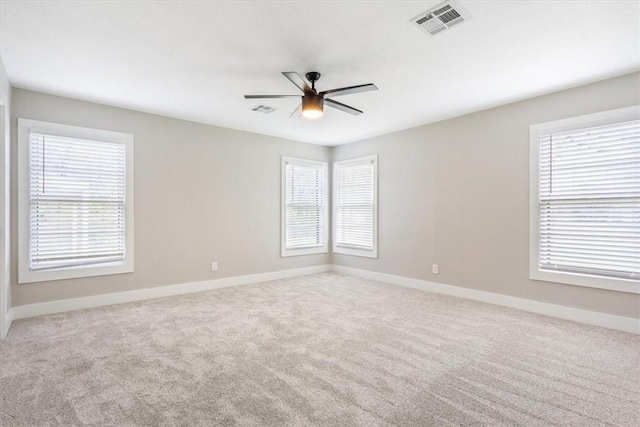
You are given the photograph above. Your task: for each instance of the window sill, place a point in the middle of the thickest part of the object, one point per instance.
(304, 251)
(365, 253)
(576, 279)
(29, 276)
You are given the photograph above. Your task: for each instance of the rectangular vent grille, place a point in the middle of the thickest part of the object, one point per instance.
(441, 18)
(261, 108)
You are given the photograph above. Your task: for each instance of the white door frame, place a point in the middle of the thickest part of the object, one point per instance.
(5, 321)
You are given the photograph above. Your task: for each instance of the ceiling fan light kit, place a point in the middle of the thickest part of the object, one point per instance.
(312, 106)
(313, 102)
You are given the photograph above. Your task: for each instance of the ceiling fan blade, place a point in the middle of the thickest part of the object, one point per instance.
(342, 107)
(270, 96)
(296, 113)
(349, 90)
(297, 80)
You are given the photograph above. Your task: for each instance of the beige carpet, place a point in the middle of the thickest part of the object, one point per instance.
(325, 349)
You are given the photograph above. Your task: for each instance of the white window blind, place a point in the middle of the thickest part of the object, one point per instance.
(589, 201)
(76, 202)
(305, 206)
(355, 206)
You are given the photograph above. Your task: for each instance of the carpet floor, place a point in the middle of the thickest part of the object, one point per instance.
(324, 349)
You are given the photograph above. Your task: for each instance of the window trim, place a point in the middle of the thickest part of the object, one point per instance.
(373, 253)
(535, 131)
(25, 275)
(324, 248)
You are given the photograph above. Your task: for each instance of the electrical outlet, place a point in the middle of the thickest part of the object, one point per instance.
(214, 266)
(434, 268)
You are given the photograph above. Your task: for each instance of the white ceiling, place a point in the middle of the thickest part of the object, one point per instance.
(196, 60)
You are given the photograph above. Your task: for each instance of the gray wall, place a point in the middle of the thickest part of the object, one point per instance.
(202, 193)
(456, 193)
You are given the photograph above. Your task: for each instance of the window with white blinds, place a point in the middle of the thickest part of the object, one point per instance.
(588, 204)
(304, 207)
(76, 208)
(355, 207)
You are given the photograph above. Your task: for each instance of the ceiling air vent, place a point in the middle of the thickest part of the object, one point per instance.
(261, 108)
(441, 17)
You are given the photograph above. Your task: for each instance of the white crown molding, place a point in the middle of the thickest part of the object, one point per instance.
(626, 324)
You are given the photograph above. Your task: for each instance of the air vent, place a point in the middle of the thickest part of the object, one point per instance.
(261, 108)
(441, 18)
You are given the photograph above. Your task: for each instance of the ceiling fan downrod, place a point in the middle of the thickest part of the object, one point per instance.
(313, 77)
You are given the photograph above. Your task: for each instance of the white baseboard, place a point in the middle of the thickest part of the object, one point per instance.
(60, 306)
(626, 324)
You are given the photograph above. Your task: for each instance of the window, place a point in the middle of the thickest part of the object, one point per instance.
(75, 202)
(304, 207)
(585, 200)
(355, 207)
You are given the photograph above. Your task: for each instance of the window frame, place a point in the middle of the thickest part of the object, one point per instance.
(321, 249)
(373, 253)
(25, 274)
(563, 125)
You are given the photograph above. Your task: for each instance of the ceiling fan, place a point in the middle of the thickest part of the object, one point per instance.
(314, 101)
